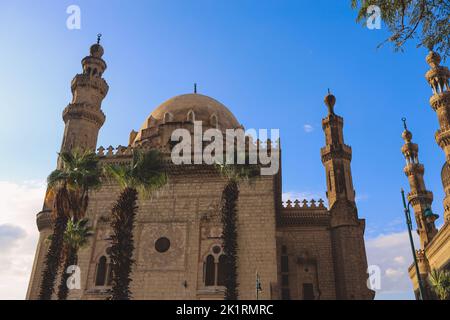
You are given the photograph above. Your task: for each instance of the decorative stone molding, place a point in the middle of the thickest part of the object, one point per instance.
(83, 111)
(44, 220)
(84, 80)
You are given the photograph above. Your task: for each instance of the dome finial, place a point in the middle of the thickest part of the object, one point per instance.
(330, 100)
(96, 49)
(406, 135)
(404, 123)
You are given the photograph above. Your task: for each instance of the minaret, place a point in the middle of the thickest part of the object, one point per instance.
(336, 157)
(438, 78)
(347, 230)
(419, 197)
(83, 119)
(83, 116)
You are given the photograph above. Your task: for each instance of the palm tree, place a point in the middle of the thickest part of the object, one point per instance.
(70, 185)
(230, 196)
(440, 280)
(76, 237)
(145, 174)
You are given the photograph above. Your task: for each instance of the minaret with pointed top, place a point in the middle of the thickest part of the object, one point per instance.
(438, 78)
(420, 198)
(347, 230)
(83, 117)
(336, 156)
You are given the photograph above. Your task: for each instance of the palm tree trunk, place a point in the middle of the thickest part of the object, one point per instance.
(53, 257)
(230, 197)
(123, 217)
(71, 259)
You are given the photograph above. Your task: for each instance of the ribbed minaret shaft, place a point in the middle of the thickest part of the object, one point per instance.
(421, 199)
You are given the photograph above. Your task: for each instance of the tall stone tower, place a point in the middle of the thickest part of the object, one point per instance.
(83, 119)
(336, 157)
(438, 78)
(419, 197)
(83, 116)
(347, 230)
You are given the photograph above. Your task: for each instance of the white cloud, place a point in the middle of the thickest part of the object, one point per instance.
(308, 128)
(394, 273)
(400, 260)
(392, 253)
(19, 204)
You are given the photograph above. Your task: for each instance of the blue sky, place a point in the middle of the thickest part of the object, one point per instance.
(270, 62)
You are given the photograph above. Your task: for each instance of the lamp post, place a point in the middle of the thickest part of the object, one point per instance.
(258, 285)
(409, 224)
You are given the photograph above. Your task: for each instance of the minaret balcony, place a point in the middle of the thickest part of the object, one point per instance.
(420, 197)
(341, 151)
(44, 220)
(414, 169)
(83, 111)
(85, 80)
(440, 100)
(443, 137)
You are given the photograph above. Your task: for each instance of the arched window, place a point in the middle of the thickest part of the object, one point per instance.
(168, 117)
(221, 274)
(215, 268)
(100, 276)
(191, 116)
(210, 271)
(214, 121)
(110, 274)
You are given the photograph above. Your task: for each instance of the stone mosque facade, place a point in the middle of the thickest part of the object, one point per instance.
(300, 249)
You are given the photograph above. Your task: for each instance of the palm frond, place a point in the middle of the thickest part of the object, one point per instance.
(77, 233)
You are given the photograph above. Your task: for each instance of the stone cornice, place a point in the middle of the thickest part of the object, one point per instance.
(44, 220)
(416, 197)
(83, 111)
(443, 137)
(440, 100)
(339, 151)
(84, 80)
(414, 168)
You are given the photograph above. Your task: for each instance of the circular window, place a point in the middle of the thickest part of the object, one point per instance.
(162, 244)
(216, 249)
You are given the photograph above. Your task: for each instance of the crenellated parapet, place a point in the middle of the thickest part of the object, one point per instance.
(298, 213)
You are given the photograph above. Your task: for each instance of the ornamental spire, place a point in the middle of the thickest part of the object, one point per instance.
(420, 198)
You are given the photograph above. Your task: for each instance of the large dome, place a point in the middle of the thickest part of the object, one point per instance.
(184, 108)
